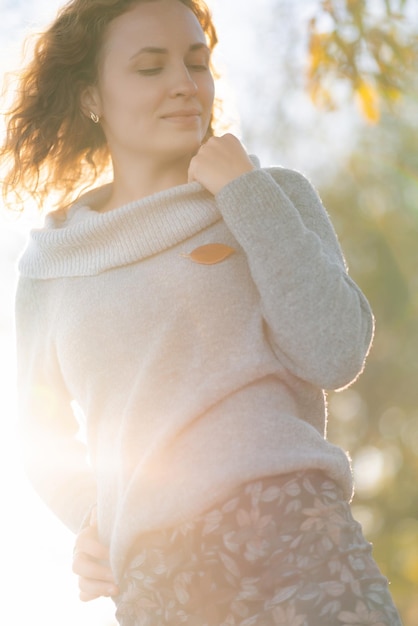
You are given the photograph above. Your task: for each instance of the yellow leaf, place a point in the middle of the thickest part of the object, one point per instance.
(369, 101)
(210, 253)
(318, 51)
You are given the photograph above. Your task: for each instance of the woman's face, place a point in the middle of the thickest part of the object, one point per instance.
(155, 89)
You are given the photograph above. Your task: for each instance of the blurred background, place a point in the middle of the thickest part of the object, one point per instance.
(328, 87)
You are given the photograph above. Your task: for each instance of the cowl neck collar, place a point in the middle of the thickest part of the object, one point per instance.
(81, 241)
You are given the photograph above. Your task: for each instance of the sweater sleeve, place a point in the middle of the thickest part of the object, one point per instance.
(54, 456)
(317, 319)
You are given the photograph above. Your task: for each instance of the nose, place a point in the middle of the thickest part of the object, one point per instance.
(183, 83)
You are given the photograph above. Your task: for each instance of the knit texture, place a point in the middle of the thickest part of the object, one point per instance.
(187, 379)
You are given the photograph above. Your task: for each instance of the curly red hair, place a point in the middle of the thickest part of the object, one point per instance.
(50, 144)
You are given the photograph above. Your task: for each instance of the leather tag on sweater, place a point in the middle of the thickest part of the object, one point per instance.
(210, 253)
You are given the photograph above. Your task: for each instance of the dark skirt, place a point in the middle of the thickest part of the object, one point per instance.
(282, 551)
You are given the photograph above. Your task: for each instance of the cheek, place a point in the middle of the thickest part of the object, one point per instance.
(122, 95)
(211, 88)
(207, 90)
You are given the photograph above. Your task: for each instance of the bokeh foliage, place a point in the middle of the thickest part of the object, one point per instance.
(373, 201)
(365, 52)
(370, 47)
(374, 206)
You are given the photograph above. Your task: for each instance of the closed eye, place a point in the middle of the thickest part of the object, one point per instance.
(150, 71)
(198, 68)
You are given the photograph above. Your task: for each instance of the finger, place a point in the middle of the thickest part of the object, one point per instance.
(85, 567)
(94, 579)
(93, 548)
(91, 590)
(88, 543)
(86, 597)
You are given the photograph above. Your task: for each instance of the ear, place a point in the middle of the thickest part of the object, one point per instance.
(90, 101)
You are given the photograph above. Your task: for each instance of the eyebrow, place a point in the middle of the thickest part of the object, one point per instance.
(155, 50)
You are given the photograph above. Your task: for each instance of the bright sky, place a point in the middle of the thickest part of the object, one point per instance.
(37, 584)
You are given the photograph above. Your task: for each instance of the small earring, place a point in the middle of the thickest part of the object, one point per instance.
(94, 117)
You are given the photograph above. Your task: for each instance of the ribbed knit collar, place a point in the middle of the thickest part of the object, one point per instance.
(85, 242)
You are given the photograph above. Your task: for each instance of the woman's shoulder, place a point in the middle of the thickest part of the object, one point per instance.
(286, 177)
(290, 178)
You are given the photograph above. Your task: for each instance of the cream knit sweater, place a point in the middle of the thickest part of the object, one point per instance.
(190, 378)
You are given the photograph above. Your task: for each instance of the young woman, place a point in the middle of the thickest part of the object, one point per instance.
(193, 311)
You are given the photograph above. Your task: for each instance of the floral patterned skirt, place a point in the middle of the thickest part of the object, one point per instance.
(282, 551)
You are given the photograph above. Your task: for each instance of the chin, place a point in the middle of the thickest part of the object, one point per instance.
(184, 146)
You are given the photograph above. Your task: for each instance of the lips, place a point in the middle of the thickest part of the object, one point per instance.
(182, 114)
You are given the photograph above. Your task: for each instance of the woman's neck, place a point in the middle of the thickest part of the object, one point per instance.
(136, 181)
